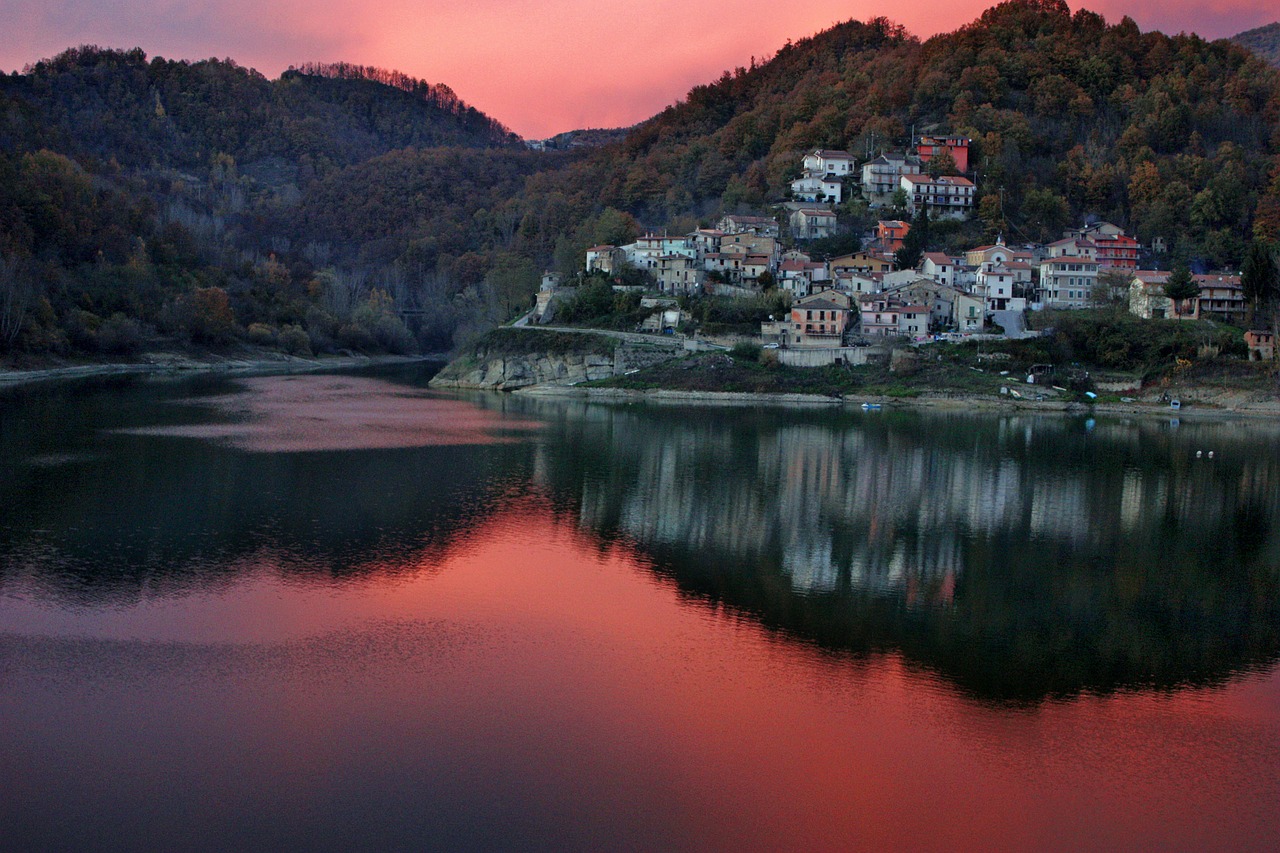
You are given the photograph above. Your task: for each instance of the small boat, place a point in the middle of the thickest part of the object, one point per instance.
(866, 407)
(1175, 403)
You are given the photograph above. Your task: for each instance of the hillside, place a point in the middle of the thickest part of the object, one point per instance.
(118, 105)
(198, 200)
(1169, 136)
(1264, 41)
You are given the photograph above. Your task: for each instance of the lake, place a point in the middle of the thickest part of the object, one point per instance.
(338, 612)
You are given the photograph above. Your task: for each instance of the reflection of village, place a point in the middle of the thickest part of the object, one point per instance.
(897, 511)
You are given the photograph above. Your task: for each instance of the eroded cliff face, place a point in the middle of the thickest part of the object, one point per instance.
(507, 372)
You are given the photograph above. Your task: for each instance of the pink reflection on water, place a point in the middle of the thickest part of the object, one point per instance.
(290, 414)
(531, 676)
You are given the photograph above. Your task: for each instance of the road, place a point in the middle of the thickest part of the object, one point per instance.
(1012, 321)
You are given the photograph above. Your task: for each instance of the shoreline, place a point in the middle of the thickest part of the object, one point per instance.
(180, 365)
(927, 400)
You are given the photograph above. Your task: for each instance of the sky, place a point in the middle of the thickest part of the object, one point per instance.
(538, 67)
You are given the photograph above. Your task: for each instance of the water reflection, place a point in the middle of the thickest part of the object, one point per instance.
(1019, 557)
(1023, 557)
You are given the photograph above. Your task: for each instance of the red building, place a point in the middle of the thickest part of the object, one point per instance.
(891, 232)
(928, 147)
(1117, 252)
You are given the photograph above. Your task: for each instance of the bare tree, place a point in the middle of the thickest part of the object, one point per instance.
(16, 292)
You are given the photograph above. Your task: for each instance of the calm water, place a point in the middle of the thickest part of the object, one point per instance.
(343, 612)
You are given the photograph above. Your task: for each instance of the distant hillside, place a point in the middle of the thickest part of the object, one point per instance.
(1264, 41)
(163, 193)
(117, 105)
(586, 138)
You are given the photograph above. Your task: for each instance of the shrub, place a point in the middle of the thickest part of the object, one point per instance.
(120, 335)
(394, 336)
(262, 334)
(294, 340)
(352, 336)
(745, 351)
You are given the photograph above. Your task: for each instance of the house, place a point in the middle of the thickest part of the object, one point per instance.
(1073, 247)
(1221, 297)
(887, 317)
(939, 267)
(860, 262)
(752, 242)
(811, 223)
(819, 320)
(945, 197)
(881, 176)
(814, 187)
(857, 283)
(928, 147)
(1118, 252)
(1068, 281)
(995, 286)
(603, 258)
(799, 276)
(1261, 343)
(704, 241)
(678, 273)
(826, 162)
(1094, 231)
(1146, 295)
(737, 224)
(949, 307)
(891, 232)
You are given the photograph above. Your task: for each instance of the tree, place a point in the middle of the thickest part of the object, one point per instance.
(1112, 289)
(942, 164)
(916, 241)
(1181, 288)
(1260, 277)
(15, 294)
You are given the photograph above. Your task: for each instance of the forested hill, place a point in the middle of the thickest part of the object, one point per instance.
(1264, 41)
(203, 200)
(1168, 135)
(118, 105)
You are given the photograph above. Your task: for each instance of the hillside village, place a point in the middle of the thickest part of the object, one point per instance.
(870, 295)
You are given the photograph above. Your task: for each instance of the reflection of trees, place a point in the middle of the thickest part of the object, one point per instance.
(124, 516)
(1022, 556)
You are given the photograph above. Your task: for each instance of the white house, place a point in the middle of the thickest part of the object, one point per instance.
(813, 187)
(822, 161)
(945, 197)
(811, 223)
(881, 176)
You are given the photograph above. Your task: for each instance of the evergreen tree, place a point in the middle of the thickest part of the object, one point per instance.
(915, 243)
(1260, 276)
(1181, 287)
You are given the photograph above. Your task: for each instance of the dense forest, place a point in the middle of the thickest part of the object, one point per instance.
(1264, 41)
(344, 207)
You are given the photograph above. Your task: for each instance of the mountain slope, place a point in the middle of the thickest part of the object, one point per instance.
(115, 104)
(1264, 41)
(1170, 136)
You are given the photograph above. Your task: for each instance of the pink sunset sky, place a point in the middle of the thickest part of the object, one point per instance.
(538, 67)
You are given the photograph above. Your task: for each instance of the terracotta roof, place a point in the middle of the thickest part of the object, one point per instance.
(820, 305)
